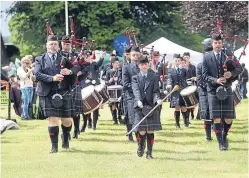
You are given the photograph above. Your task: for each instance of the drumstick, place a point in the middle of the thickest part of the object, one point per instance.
(177, 87)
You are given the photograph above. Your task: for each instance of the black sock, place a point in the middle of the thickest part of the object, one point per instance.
(185, 117)
(226, 127)
(208, 126)
(76, 121)
(66, 130)
(114, 115)
(217, 130)
(177, 117)
(53, 133)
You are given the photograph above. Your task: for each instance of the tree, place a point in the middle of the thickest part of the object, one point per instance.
(202, 16)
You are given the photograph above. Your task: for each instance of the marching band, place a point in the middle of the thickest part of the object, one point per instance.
(71, 84)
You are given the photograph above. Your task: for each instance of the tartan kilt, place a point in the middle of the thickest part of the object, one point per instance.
(151, 123)
(131, 111)
(176, 100)
(77, 99)
(203, 104)
(66, 111)
(123, 105)
(221, 109)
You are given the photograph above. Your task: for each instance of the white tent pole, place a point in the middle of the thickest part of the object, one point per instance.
(66, 17)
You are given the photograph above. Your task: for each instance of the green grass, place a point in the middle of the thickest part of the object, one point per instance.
(107, 153)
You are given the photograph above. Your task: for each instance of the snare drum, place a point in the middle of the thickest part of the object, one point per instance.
(236, 94)
(190, 96)
(101, 89)
(92, 100)
(115, 92)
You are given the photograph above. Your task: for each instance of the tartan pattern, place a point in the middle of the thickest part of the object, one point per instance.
(176, 100)
(152, 123)
(77, 99)
(221, 109)
(203, 104)
(66, 111)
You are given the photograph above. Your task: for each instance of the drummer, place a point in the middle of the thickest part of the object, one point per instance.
(112, 79)
(191, 75)
(177, 76)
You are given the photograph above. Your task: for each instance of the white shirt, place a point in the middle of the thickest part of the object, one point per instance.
(25, 79)
(215, 54)
(50, 55)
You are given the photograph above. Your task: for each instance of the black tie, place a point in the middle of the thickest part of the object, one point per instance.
(53, 57)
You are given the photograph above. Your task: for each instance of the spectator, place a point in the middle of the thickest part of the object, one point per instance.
(26, 84)
(243, 79)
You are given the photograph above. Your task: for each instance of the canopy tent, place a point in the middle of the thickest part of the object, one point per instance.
(165, 46)
(244, 58)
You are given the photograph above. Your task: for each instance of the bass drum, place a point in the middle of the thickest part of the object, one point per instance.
(190, 96)
(92, 100)
(101, 89)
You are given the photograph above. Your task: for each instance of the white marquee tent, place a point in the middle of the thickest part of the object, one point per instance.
(244, 58)
(165, 46)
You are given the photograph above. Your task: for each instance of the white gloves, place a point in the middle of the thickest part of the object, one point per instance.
(93, 82)
(87, 81)
(111, 80)
(115, 79)
(159, 102)
(165, 92)
(119, 99)
(140, 104)
(168, 87)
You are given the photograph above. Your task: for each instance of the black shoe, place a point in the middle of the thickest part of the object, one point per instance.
(115, 123)
(75, 135)
(130, 138)
(65, 141)
(24, 118)
(54, 148)
(209, 139)
(149, 155)
(225, 143)
(83, 129)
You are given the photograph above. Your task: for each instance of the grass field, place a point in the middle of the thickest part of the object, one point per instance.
(106, 152)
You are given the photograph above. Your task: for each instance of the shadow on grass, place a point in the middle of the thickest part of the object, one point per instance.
(178, 143)
(186, 159)
(101, 140)
(179, 134)
(238, 141)
(108, 134)
(239, 131)
(73, 150)
(115, 129)
(180, 152)
(239, 149)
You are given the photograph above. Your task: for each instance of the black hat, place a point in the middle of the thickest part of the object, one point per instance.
(143, 60)
(66, 38)
(186, 54)
(114, 59)
(52, 38)
(127, 49)
(113, 55)
(176, 56)
(135, 48)
(216, 37)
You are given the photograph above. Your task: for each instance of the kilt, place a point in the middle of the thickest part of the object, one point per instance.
(66, 111)
(221, 109)
(203, 104)
(123, 105)
(77, 99)
(131, 111)
(176, 100)
(152, 123)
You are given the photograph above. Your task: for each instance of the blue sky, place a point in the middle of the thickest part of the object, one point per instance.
(4, 20)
